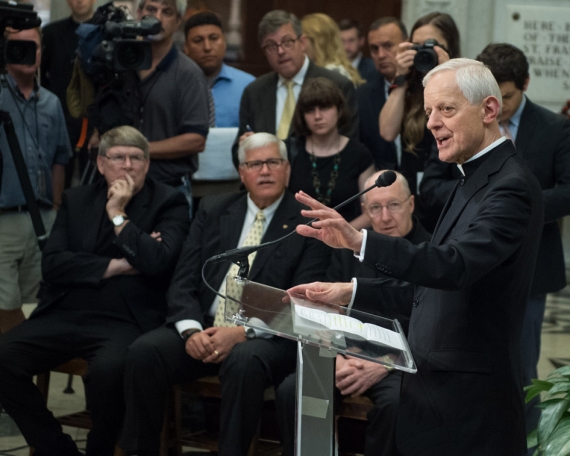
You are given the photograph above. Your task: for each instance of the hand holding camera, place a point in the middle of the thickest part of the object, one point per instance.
(421, 57)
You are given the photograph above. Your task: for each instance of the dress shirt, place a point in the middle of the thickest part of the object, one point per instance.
(298, 79)
(250, 215)
(40, 129)
(357, 60)
(227, 90)
(515, 120)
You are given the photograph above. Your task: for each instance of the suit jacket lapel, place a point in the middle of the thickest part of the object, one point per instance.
(284, 221)
(231, 224)
(92, 218)
(269, 99)
(463, 194)
(136, 209)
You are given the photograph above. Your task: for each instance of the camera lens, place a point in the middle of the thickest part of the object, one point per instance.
(130, 56)
(21, 52)
(425, 60)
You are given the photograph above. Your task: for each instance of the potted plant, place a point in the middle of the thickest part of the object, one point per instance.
(552, 437)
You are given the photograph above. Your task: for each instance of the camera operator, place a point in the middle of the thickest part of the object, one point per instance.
(173, 112)
(434, 40)
(40, 129)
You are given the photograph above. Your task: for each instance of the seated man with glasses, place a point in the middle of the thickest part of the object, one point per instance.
(196, 340)
(107, 265)
(390, 210)
(268, 103)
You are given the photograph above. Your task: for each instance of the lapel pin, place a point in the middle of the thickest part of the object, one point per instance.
(285, 227)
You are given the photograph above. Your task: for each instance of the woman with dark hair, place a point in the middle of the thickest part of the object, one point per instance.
(403, 113)
(325, 164)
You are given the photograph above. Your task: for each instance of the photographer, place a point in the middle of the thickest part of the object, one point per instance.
(40, 129)
(173, 112)
(435, 39)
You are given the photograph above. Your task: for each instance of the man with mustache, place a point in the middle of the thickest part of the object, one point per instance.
(196, 341)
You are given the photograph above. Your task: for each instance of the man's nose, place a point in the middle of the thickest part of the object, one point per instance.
(207, 45)
(434, 121)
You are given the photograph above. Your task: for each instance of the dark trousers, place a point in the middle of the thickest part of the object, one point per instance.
(48, 340)
(381, 428)
(158, 360)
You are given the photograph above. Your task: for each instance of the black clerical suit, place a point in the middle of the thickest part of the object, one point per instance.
(474, 280)
(392, 299)
(158, 359)
(259, 103)
(80, 314)
(543, 141)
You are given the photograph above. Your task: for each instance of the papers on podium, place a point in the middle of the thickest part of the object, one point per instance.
(307, 320)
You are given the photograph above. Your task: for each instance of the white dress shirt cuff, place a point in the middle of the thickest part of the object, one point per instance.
(183, 325)
(360, 255)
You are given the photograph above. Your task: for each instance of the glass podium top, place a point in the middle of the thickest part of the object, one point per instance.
(329, 326)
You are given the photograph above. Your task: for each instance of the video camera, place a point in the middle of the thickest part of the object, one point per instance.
(19, 17)
(120, 50)
(426, 59)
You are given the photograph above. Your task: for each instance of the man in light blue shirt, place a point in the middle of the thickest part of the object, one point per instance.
(206, 45)
(40, 129)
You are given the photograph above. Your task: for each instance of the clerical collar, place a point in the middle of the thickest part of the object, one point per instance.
(469, 167)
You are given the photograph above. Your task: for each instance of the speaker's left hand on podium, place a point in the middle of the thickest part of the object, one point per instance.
(339, 293)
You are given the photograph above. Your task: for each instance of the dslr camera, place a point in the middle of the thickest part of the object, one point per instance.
(18, 16)
(426, 58)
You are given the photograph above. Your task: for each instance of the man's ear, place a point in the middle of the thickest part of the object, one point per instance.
(491, 109)
(303, 41)
(525, 86)
(100, 163)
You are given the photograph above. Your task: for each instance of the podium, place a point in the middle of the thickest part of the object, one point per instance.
(322, 331)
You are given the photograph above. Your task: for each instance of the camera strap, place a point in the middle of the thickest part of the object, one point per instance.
(24, 177)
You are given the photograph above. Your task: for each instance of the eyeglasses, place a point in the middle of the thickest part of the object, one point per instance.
(257, 165)
(393, 207)
(121, 159)
(271, 47)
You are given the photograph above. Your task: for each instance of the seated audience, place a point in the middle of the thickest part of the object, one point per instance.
(268, 103)
(107, 265)
(324, 46)
(325, 164)
(353, 41)
(196, 340)
(389, 211)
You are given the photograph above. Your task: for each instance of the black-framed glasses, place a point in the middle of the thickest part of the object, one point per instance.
(120, 159)
(394, 207)
(256, 165)
(271, 47)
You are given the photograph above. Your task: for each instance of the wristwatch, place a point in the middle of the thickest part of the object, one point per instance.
(249, 333)
(399, 81)
(187, 333)
(118, 220)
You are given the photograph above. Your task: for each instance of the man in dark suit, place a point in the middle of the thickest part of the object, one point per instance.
(383, 39)
(194, 343)
(542, 139)
(353, 41)
(390, 211)
(268, 103)
(107, 265)
(473, 277)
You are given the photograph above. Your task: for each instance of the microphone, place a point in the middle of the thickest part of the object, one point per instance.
(385, 179)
